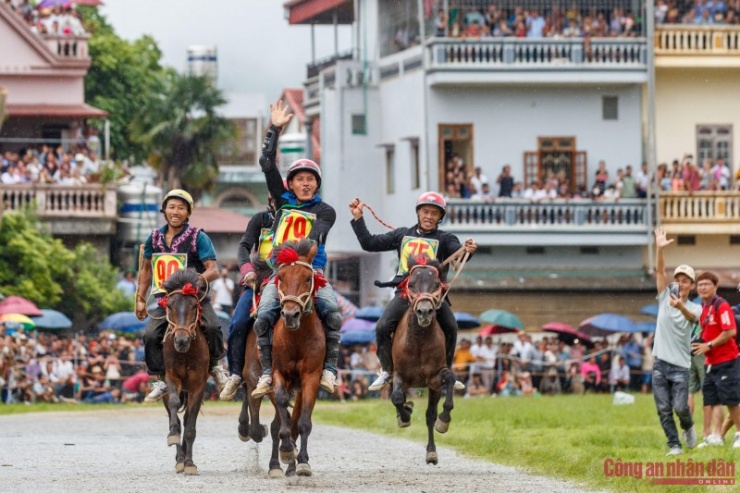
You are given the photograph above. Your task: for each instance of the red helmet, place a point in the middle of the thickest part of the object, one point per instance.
(304, 165)
(432, 198)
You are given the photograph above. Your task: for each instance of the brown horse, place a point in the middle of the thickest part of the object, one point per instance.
(419, 351)
(186, 360)
(298, 349)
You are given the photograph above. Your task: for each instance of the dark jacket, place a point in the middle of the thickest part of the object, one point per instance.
(251, 236)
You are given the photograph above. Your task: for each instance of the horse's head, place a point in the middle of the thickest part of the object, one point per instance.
(424, 288)
(295, 280)
(185, 291)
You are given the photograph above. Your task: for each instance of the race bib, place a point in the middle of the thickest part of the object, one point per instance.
(265, 243)
(163, 266)
(416, 246)
(294, 225)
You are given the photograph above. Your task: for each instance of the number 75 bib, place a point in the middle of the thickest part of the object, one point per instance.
(416, 246)
(163, 266)
(293, 226)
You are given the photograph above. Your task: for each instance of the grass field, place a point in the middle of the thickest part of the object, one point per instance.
(568, 437)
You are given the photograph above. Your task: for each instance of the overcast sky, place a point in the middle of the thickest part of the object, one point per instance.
(258, 51)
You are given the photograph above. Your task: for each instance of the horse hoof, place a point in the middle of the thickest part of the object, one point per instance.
(441, 426)
(179, 467)
(191, 470)
(432, 458)
(244, 438)
(303, 470)
(173, 440)
(409, 406)
(275, 473)
(402, 423)
(288, 457)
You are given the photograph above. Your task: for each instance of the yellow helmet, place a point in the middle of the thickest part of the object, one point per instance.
(178, 193)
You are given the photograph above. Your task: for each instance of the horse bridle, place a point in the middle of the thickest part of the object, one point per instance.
(304, 298)
(191, 329)
(435, 297)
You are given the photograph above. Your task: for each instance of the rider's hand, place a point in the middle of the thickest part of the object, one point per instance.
(470, 245)
(660, 238)
(355, 207)
(279, 115)
(140, 309)
(250, 278)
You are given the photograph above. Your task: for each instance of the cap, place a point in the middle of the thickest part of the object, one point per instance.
(685, 270)
(79, 157)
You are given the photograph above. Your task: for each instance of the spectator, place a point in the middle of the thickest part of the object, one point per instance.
(505, 182)
(127, 285)
(476, 387)
(223, 289)
(629, 184)
(619, 375)
(591, 375)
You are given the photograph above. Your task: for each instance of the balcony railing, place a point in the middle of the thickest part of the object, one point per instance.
(523, 53)
(697, 40)
(700, 207)
(626, 216)
(68, 47)
(93, 201)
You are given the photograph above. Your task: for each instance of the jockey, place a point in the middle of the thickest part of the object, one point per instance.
(422, 238)
(258, 235)
(300, 214)
(192, 249)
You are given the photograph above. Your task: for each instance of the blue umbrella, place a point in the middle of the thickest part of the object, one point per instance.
(651, 310)
(606, 323)
(645, 326)
(466, 320)
(358, 337)
(502, 318)
(52, 319)
(356, 324)
(371, 313)
(123, 322)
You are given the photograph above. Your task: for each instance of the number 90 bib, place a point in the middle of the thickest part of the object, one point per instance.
(416, 246)
(163, 266)
(294, 225)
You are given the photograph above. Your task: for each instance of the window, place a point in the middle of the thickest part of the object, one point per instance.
(359, 125)
(609, 107)
(713, 142)
(535, 250)
(415, 171)
(398, 25)
(686, 240)
(589, 250)
(390, 170)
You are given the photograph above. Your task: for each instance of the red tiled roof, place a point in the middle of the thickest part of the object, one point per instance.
(68, 110)
(294, 98)
(319, 11)
(217, 220)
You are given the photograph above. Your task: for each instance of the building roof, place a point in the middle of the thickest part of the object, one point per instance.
(294, 98)
(67, 110)
(320, 11)
(245, 105)
(217, 220)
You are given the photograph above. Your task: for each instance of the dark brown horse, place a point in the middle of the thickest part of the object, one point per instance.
(298, 351)
(186, 360)
(419, 351)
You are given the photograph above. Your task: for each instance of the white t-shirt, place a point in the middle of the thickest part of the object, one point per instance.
(223, 290)
(673, 332)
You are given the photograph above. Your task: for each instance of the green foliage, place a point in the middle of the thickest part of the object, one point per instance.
(40, 268)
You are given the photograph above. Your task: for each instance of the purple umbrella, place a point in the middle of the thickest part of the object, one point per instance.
(567, 333)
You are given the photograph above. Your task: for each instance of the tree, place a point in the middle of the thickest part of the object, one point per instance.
(181, 130)
(40, 268)
(121, 78)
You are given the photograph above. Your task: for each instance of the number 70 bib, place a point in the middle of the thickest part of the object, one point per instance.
(294, 225)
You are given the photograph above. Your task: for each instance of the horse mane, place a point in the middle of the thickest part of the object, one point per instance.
(423, 260)
(302, 248)
(180, 278)
(261, 267)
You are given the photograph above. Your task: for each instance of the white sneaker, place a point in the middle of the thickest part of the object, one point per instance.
(380, 382)
(459, 385)
(674, 451)
(232, 384)
(159, 388)
(328, 381)
(711, 441)
(220, 377)
(736, 442)
(264, 386)
(689, 437)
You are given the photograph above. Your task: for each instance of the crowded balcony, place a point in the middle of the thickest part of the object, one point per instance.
(700, 212)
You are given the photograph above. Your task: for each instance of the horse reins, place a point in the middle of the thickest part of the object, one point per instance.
(191, 329)
(304, 298)
(435, 297)
(377, 218)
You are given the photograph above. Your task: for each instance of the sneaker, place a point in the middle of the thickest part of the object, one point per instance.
(232, 384)
(328, 381)
(736, 442)
(264, 386)
(674, 451)
(380, 382)
(459, 385)
(689, 437)
(711, 441)
(158, 390)
(220, 377)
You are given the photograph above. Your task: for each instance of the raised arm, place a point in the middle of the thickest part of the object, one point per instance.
(661, 280)
(279, 117)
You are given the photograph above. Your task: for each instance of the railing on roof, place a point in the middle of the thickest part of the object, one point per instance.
(313, 69)
(68, 47)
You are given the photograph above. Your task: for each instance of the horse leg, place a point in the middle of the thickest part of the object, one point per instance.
(282, 400)
(257, 431)
(448, 382)
(302, 416)
(275, 470)
(431, 416)
(179, 455)
(291, 470)
(398, 398)
(243, 428)
(194, 401)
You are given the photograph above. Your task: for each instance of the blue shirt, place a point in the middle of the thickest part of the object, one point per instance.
(206, 251)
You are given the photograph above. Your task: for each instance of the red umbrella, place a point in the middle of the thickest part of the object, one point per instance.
(16, 304)
(493, 329)
(566, 332)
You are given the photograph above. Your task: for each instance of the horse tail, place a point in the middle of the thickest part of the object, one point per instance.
(184, 401)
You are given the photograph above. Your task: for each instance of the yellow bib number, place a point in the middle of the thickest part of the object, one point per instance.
(163, 266)
(265, 243)
(416, 246)
(293, 226)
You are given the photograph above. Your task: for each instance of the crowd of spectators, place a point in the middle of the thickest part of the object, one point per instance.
(549, 366)
(56, 21)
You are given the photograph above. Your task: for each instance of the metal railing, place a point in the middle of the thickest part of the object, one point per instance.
(50, 201)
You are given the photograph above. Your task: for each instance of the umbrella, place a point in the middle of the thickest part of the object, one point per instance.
(490, 330)
(18, 319)
(16, 304)
(358, 337)
(605, 324)
(567, 333)
(123, 322)
(466, 320)
(356, 324)
(651, 310)
(502, 318)
(648, 326)
(371, 313)
(346, 307)
(50, 4)
(52, 319)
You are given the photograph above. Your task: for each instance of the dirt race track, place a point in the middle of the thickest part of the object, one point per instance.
(125, 450)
